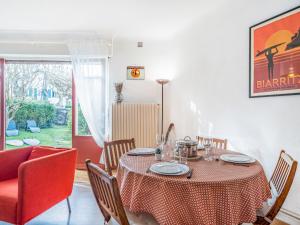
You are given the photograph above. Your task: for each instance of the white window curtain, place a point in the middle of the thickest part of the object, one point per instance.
(90, 71)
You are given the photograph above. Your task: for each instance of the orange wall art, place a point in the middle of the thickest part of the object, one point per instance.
(135, 73)
(275, 55)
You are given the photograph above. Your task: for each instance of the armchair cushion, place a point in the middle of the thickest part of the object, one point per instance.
(10, 162)
(9, 199)
(38, 152)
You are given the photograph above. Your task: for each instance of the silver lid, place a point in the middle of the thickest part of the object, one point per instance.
(187, 142)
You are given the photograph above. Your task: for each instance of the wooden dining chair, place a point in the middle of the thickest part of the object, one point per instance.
(280, 183)
(113, 151)
(218, 143)
(107, 194)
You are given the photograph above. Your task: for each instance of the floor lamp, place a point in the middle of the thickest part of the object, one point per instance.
(162, 82)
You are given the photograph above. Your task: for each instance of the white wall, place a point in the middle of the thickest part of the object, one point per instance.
(211, 85)
(154, 56)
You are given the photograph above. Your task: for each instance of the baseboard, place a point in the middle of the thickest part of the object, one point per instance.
(289, 217)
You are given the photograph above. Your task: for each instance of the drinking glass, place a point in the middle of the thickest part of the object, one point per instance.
(207, 143)
(215, 153)
(183, 155)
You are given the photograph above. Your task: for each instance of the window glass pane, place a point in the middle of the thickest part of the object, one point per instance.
(94, 69)
(82, 126)
(38, 104)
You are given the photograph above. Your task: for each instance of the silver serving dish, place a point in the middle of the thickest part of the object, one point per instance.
(187, 146)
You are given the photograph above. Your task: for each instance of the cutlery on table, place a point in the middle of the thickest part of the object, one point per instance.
(189, 176)
(237, 164)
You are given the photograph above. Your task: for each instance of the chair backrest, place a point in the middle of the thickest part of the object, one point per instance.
(107, 194)
(281, 180)
(11, 125)
(171, 126)
(218, 143)
(113, 151)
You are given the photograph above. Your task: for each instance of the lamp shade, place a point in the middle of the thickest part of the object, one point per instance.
(162, 81)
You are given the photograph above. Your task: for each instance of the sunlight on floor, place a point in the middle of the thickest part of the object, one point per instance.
(81, 177)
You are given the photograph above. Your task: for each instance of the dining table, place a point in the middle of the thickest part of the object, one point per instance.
(217, 193)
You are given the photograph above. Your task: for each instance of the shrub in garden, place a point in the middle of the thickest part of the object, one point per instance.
(82, 126)
(42, 112)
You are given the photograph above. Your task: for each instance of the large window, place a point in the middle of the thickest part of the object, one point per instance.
(39, 104)
(41, 107)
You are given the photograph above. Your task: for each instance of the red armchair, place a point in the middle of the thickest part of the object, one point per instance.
(32, 180)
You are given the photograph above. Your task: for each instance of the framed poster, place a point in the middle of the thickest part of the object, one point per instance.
(135, 73)
(275, 56)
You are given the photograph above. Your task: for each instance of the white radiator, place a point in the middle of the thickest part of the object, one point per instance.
(138, 121)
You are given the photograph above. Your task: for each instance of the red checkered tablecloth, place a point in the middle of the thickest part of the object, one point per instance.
(218, 193)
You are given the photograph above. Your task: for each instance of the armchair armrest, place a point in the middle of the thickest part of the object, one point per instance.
(43, 182)
(11, 160)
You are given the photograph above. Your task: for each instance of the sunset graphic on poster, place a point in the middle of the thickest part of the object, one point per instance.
(275, 56)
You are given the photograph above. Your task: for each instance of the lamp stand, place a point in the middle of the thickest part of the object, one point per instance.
(162, 82)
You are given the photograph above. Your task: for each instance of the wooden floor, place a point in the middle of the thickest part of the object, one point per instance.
(278, 222)
(81, 176)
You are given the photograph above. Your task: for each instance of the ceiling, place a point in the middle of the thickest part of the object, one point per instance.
(138, 19)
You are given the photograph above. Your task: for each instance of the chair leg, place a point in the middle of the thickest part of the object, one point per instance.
(106, 222)
(261, 221)
(106, 219)
(69, 205)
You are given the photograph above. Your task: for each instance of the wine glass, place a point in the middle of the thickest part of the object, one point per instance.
(183, 155)
(216, 153)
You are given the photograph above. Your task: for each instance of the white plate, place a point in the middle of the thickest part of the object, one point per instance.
(142, 151)
(236, 158)
(171, 169)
